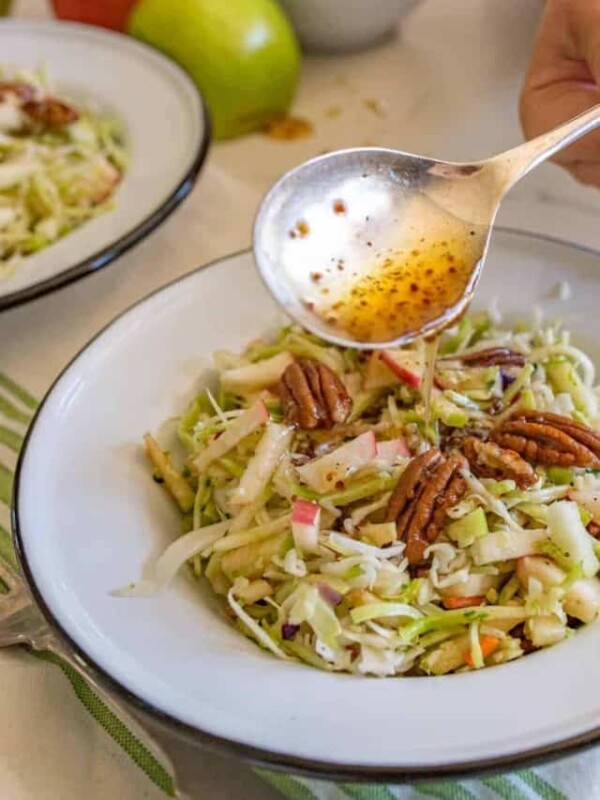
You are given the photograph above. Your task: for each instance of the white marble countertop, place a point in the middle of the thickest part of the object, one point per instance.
(446, 86)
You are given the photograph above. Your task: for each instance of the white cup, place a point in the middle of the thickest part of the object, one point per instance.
(339, 25)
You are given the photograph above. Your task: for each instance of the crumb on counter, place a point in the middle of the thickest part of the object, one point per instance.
(377, 107)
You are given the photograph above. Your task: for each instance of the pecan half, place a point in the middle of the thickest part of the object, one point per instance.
(409, 483)
(489, 460)
(545, 438)
(313, 396)
(50, 112)
(23, 91)
(593, 529)
(493, 357)
(429, 485)
(581, 433)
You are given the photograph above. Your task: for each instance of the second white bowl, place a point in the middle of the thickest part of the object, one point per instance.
(339, 25)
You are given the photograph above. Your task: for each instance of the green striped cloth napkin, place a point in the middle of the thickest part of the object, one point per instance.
(575, 778)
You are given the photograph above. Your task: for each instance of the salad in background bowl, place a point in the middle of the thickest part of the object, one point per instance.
(60, 165)
(73, 179)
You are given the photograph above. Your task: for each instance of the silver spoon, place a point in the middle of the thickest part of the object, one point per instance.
(361, 218)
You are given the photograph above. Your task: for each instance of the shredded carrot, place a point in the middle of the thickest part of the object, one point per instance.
(488, 644)
(463, 602)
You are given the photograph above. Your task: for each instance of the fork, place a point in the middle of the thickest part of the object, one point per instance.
(22, 623)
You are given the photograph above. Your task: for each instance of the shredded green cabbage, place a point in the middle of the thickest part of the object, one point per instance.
(506, 566)
(60, 166)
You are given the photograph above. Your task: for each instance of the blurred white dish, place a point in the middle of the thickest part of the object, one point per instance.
(339, 25)
(166, 133)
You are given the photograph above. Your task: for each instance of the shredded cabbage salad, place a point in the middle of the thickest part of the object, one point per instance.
(59, 166)
(289, 526)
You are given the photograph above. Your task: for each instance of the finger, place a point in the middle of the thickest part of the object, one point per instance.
(564, 75)
(567, 38)
(547, 107)
(586, 172)
(585, 34)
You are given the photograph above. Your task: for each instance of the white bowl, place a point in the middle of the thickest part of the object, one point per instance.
(338, 25)
(87, 515)
(166, 130)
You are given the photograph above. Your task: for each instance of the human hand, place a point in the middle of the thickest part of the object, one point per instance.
(564, 79)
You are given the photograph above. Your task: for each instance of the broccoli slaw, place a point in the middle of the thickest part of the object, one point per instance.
(291, 526)
(59, 166)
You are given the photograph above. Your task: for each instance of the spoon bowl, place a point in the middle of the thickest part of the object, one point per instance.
(371, 247)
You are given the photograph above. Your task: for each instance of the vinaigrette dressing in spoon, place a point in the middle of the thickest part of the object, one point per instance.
(403, 291)
(371, 247)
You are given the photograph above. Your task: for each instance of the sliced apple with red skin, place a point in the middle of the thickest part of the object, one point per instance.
(389, 452)
(408, 365)
(378, 374)
(387, 367)
(325, 473)
(305, 525)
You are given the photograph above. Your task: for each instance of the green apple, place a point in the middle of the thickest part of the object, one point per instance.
(242, 54)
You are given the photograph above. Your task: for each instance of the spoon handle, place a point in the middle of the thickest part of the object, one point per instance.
(514, 164)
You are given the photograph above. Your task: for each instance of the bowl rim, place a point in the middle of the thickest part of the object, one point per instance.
(263, 757)
(118, 247)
